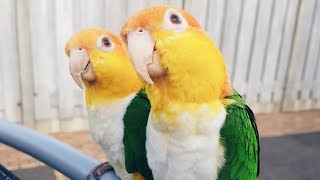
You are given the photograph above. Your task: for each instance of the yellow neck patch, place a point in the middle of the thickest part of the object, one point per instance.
(196, 70)
(115, 78)
(168, 117)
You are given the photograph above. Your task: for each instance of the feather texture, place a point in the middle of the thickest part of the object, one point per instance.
(240, 137)
(135, 122)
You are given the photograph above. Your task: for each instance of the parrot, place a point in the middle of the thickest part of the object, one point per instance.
(117, 105)
(199, 127)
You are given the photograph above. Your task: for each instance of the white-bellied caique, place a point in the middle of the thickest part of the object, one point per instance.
(117, 106)
(198, 127)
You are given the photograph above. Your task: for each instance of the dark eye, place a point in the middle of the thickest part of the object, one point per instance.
(175, 19)
(106, 42)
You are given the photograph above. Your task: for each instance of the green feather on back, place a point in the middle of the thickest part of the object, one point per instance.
(239, 136)
(135, 123)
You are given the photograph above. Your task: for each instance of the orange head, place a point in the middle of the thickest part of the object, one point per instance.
(99, 60)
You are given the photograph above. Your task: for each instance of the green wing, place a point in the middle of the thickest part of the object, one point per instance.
(240, 137)
(135, 122)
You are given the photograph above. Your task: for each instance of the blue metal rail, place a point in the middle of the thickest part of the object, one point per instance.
(61, 157)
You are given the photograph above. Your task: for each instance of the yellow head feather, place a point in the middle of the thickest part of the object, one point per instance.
(196, 70)
(115, 78)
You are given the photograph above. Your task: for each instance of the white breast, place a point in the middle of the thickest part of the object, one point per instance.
(106, 127)
(190, 151)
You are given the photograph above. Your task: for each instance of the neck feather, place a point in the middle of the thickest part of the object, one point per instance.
(109, 91)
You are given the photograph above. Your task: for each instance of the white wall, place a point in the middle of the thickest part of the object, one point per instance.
(272, 49)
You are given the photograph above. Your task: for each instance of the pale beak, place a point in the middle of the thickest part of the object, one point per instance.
(79, 66)
(141, 47)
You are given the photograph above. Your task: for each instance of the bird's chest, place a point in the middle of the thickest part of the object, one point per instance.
(107, 129)
(190, 148)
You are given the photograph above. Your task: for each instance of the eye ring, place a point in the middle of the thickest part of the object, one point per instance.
(175, 19)
(105, 41)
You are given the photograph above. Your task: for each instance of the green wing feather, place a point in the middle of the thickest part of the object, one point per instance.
(240, 137)
(135, 122)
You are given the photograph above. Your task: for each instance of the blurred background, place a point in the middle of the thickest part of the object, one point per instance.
(271, 47)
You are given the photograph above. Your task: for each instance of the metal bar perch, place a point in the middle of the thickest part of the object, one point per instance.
(59, 156)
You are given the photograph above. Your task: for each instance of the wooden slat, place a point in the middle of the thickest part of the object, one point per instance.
(301, 42)
(26, 69)
(198, 9)
(93, 13)
(316, 90)
(115, 9)
(65, 83)
(230, 32)
(10, 62)
(272, 52)
(133, 7)
(312, 54)
(2, 105)
(299, 53)
(244, 45)
(44, 59)
(155, 2)
(176, 3)
(257, 53)
(287, 41)
(77, 14)
(215, 20)
(316, 75)
(305, 92)
(2, 109)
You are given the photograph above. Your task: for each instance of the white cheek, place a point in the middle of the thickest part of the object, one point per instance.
(168, 25)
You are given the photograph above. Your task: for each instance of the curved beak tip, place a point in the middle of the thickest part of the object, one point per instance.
(148, 80)
(78, 80)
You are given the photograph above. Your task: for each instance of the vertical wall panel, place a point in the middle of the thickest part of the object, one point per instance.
(77, 14)
(316, 77)
(25, 60)
(2, 108)
(230, 31)
(177, 3)
(65, 84)
(295, 85)
(286, 44)
(9, 62)
(198, 9)
(115, 16)
(215, 20)
(257, 53)
(79, 22)
(312, 58)
(246, 33)
(270, 59)
(155, 2)
(42, 31)
(133, 7)
(93, 13)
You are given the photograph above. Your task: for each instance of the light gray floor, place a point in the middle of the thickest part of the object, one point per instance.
(295, 157)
